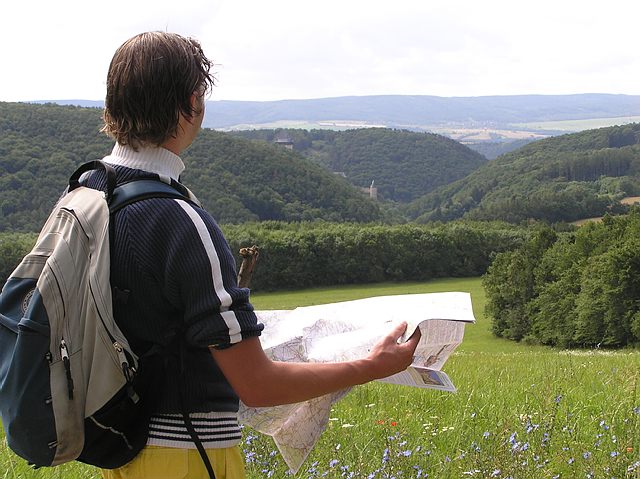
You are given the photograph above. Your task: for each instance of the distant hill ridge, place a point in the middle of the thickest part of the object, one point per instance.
(414, 110)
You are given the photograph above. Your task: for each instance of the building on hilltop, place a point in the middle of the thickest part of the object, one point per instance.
(372, 191)
(283, 139)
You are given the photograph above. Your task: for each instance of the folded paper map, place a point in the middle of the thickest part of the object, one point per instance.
(346, 331)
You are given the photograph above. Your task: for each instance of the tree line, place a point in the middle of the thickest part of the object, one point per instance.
(305, 254)
(579, 289)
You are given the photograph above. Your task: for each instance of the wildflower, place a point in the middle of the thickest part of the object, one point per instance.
(614, 454)
(636, 410)
(558, 398)
(346, 424)
(333, 463)
(586, 455)
(407, 453)
(473, 414)
(385, 455)
(495, 473)
(629, 449)
(380, 421)
(394, 424)
(604, 426)
(525, 446)
(571, 460)
(486, 434)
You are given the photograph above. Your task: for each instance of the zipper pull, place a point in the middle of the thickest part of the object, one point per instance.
(128, 372)
(122, 357)
(64, 353)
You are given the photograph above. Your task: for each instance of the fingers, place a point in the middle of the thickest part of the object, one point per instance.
(397, 331)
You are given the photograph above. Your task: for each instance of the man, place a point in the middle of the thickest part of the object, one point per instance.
(173, 260)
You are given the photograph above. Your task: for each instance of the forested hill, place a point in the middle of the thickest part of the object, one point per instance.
(563, 178)
(236, 179)
(403, 165)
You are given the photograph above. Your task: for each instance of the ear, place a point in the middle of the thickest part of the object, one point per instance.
(197, 102)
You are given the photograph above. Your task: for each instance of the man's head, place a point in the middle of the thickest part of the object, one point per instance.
(154, 80)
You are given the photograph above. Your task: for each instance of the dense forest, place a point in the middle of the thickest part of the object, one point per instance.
(403, 165)
(236, 179)
(564, 178)
(304, 254)
(578, 289)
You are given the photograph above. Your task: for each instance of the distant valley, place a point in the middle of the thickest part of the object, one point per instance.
(491, 125)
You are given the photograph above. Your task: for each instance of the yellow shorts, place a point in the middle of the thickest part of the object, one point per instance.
(156, 462)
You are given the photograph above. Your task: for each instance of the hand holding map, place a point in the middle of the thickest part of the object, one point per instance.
(347, 331)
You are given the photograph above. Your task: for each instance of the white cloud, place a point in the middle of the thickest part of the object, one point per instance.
(293, 49)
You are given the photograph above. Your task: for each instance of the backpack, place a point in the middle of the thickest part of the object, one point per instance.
(71, 388)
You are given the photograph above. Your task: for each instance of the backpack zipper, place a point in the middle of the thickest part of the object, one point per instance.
(127, 370)
(64, 353)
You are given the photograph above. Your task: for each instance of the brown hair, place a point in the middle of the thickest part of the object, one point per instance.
(151, 79)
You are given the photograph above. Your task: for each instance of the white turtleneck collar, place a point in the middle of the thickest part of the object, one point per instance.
(152, 159)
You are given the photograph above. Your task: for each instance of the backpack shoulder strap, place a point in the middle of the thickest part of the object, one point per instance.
(138, 190)
(75, 178)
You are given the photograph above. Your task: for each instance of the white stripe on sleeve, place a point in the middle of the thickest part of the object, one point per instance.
(216, 273)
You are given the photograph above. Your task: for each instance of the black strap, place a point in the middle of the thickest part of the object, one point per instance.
(187, 418)
(74, 179)
(143, 189)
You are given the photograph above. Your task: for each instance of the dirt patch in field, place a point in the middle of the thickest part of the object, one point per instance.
(630, 200)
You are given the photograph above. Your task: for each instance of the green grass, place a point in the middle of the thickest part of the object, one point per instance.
(520, 411)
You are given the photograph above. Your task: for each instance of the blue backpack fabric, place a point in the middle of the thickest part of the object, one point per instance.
(71, 388)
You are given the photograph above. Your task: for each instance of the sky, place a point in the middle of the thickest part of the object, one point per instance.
(299, 49)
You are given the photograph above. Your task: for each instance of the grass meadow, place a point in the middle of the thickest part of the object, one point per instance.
(520, 412)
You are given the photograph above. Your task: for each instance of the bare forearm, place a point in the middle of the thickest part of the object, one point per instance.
(258, 381)
(284, 383)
